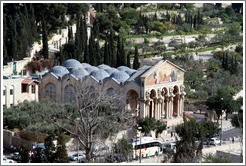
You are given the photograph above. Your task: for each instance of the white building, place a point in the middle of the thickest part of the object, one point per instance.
(17, 90)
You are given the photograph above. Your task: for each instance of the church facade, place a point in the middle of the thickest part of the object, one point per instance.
(151, 91)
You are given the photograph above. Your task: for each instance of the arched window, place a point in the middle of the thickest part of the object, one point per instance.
(110, 92)
(50, 91)
(70, 94)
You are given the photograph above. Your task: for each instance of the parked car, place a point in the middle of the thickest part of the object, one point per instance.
(5, 160)
(77, 156)
(170, 147)
(16, 156)
(213, 141)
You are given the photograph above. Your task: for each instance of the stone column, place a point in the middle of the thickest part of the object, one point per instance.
(155, 108)
(167, 107)
(171, 106)
(142, 108)
(178, 107)
(147, 104)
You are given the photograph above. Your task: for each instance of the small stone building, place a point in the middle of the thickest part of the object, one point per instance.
(154, 91)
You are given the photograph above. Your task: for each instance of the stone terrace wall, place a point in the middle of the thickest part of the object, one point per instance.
(10, 139)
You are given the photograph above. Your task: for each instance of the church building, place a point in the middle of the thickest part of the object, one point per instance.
(151, 91)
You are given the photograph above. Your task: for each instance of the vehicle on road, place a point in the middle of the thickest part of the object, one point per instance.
(212, 141)
(170, 147)
(16, 156)
(77, 156)
(5, 160)
(148, 147)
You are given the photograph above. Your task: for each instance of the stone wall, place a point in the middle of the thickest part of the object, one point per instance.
(9, 139)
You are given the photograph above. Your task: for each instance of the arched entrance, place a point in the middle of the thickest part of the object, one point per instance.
(176, 101)
(132, 101)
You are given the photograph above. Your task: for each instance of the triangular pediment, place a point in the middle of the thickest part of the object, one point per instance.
(163, 71)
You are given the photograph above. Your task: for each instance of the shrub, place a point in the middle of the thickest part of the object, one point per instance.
(33, 136)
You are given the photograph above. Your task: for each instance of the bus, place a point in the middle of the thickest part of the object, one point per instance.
(148, 147)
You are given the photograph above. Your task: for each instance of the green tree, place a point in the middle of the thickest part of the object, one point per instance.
(160, 127)
(136, 63)
(147, 124)
(24, 153)
(186, 150)
(159, 27)
(222, 100)
(123, 148)
(211, 129)
(45, 40)
(106, 54)
(49, 149)
(61, 151)
(128, 63)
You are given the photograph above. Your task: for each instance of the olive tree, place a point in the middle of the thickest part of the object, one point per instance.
(98, 115)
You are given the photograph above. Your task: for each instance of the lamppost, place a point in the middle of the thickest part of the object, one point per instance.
(139, 128)
(77, 142)
(221, 120)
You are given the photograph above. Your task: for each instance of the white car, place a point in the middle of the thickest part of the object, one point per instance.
(77, 156)
(5, 160)
(214, 141)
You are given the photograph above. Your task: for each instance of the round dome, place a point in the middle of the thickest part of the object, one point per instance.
(59, 71)
(71, 63)
(131, 72)
(79, 72)
(85, 65)
(120, 76)
(103, 66)
(111, 70)
(123, 68)
(100, 74)
(90, 69)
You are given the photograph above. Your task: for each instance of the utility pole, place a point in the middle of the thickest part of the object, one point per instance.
(221, 122)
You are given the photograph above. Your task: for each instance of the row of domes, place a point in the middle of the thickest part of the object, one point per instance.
(101, 72)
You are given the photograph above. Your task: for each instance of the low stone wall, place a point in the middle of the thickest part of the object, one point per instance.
(9, 139)
(223, 147)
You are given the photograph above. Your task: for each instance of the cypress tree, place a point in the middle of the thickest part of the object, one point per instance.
(70, 33)
(12, 42)
(92, 56)
(128, 63)
(61, 152)
(198, 17)
(24, 154)
(226, 61)
(118, 54)
(235, 65)
(123, 54)
(49, 149)
(111, 48)
(223, 60)
(32, 20)
(195, 20)
(106, 54)
(168, 16)
(191, 23)
(86, 55)
(45, 40)
(98, 54)
(186, 17)
(77, 38)
(136, 63)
